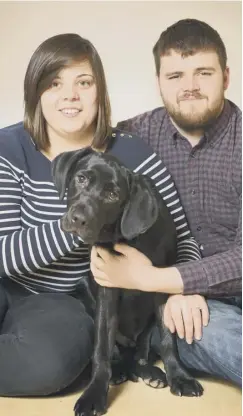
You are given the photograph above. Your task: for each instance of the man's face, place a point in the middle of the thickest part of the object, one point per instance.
(192, 88)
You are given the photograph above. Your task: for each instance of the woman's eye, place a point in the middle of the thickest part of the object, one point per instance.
(55, 84)
(85, 84)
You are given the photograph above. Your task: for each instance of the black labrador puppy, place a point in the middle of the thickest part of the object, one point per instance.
(107, 203)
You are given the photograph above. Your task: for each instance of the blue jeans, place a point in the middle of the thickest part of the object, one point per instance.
(219, 352)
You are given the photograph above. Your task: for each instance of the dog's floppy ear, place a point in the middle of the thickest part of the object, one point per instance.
(63, 166)
(141, 211)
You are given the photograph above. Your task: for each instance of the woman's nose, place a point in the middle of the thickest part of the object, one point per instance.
(70, 93)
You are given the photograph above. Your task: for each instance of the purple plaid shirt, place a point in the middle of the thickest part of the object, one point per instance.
(208, 178)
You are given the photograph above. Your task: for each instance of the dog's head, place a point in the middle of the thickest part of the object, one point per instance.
(105, 201)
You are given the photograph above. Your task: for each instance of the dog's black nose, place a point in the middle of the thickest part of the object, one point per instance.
(79, 219)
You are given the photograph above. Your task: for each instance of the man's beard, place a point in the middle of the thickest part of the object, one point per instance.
(198, 120)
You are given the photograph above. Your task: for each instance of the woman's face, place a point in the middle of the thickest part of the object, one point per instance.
(69, 106)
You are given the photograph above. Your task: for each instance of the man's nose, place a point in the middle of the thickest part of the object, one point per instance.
(190, 83)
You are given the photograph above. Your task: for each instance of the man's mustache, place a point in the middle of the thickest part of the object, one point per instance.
(190, 95)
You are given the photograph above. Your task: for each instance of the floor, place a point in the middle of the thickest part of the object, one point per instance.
(133, 399)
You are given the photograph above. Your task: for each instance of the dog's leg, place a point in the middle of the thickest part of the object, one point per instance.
(180, 381)
(94, 399)
(121, 366)
(85, 292)
(142, 368)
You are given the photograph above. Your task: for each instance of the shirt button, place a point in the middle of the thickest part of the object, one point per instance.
(199, 228)
(201, 247)
(193, 192)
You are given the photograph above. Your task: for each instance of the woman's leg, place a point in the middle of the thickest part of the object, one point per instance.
(46, 341)
(3, 304)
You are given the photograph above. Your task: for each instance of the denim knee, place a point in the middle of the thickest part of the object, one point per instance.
(219, 352)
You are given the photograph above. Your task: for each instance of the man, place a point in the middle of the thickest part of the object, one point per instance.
(198, 135)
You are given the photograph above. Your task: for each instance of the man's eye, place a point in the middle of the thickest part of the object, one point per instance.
(174, 77)
(206, 73)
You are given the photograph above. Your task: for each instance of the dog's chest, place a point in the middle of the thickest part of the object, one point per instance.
(135, 309)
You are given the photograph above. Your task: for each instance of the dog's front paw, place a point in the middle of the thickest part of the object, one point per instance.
(151, 375)
(119, 373)
(93, 402)
(181, 386)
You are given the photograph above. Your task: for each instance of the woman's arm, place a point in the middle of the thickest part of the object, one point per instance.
(131, 271)
(23, 250)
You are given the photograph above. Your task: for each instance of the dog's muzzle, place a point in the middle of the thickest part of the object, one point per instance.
(77, 223)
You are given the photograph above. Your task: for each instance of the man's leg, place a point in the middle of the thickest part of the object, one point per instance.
(219, 352)
(46, 341)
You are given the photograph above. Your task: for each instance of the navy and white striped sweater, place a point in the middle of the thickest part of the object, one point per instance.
(34, 251)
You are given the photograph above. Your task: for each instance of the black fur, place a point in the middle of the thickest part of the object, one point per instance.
(107, 203)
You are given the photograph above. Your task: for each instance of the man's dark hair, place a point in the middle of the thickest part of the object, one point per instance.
(53, 55)
(189, 36)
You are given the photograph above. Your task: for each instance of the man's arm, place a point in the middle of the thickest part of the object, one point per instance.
(218, 275)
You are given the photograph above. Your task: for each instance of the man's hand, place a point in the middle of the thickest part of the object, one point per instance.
(186, 315)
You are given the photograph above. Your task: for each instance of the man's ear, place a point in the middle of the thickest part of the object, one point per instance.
(141, 211)
(63, 165)
(226, 78)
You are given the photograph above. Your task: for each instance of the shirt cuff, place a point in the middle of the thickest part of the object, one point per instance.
(194, 277)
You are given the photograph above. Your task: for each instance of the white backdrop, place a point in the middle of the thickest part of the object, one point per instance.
(124, 34)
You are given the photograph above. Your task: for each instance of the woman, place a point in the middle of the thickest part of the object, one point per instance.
(46, 334)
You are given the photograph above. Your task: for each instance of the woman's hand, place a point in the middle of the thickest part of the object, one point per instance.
(130, 270)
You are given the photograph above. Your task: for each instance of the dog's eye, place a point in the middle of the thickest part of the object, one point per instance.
(112, 196)
(82, 179)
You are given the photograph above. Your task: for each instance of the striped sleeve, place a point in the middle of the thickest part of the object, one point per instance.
(25, 250)
(187, 247)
